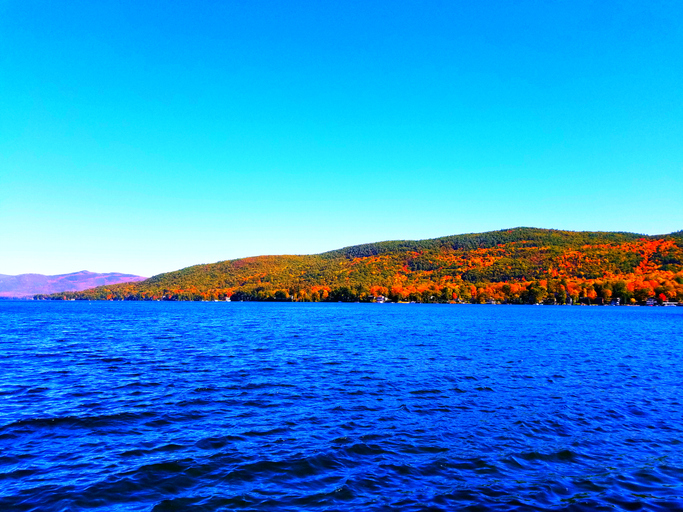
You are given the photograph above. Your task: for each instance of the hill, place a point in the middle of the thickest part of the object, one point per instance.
(521, 265)
(26, 285)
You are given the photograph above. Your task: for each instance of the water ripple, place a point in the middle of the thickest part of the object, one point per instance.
(163, 406)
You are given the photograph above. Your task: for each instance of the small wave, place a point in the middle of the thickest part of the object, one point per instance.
(559, 456)
(298, 467)
(137, 452)
(18, 474)
(215, 443)
(140, 385)
(416, 449)
(32, 424)
(205, 390)
(202, 504)
(263, 433)
(366, 449)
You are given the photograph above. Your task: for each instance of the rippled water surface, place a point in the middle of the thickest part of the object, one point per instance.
(246, 406)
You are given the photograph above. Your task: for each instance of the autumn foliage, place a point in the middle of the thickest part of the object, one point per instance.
(520, 266)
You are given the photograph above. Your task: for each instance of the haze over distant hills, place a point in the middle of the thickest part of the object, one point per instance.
(25, 285)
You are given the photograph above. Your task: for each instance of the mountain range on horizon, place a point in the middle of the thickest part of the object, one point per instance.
(27, 285)
(520, 265)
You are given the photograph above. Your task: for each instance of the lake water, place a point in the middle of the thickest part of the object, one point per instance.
(279, 406)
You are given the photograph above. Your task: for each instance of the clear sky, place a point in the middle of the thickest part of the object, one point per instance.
(143, 137)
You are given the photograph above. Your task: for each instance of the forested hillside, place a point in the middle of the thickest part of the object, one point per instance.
(522, 265)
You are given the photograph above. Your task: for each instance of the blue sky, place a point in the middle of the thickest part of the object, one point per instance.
(143, 137)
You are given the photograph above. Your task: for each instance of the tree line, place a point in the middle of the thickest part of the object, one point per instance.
(519, 266)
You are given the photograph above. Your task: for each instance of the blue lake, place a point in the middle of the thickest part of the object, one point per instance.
(280, 406)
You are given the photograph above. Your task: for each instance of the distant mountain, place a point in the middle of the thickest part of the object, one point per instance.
(521, 265)
(25, 285)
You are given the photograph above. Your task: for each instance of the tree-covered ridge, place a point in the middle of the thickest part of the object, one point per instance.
(518, 265)
(531, 237)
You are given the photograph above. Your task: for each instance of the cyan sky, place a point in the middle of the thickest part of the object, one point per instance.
(144, 137)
